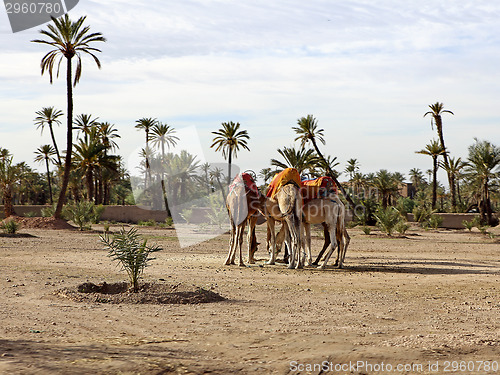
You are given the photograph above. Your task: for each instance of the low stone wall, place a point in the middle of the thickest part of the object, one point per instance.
(451, 221)
(133, 214)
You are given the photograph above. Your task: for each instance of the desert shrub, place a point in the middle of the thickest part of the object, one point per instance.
(148, 223)
(82, 213)
(9, 226)
(365, 210)
(387, 219)
(187, 214)
(366, 230)
(422, 214)
(30, 214)
(106, 227)
(169, 221)
(97, 213)
(435, 221)
(468, 224)
(401, 227)
(48, 211)
(131, 252)
(405, 205)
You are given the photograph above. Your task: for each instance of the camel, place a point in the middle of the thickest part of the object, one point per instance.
(323, 211)
(329, 211)
(343, 238)
(243, 204)
(286, 207)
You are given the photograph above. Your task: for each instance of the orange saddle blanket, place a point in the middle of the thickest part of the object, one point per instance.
(289, 175)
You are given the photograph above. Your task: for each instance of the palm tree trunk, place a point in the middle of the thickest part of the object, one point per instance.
(229, 159)
(48, 180)
(55, 144)
(434, 182)
(439, 126)
(8, 208)
(90, 185)
(331, 174)
(69, 142)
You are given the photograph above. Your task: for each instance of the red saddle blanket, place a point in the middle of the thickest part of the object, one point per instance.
(244, 179)
(316, 188)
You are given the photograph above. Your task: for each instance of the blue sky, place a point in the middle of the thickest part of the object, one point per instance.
(366, 72)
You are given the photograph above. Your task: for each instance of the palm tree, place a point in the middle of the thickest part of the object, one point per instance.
(84, 123)
(146, 123)
(387, 184)
(266, 174)
(8, 177)
(482, 163)
(352, 167)
(301, 160)
(229, 139)
(453, 169)
(86, 155)
(163, 134)
(69, 39)
(49, 116)
(46, 154)
(307, 130)
(436, 110)
(416, 177)
(216, 174)
(433, 149)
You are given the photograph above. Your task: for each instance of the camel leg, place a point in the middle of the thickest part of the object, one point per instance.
(232, 241)
(251, 239)
(347, 241)
(240, 230)
(272, 234)
(307, 228)
(325, 244)
(333, 245)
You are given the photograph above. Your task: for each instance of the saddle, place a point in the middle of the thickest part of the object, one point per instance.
(285, 177)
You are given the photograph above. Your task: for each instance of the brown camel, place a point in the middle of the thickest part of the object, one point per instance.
(329, 211)
(243, 203)
(286, 207)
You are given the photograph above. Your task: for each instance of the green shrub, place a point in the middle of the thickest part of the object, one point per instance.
(435, 221)
(169, 221)
(187, 214)
(422, 214)
(82, 213)
(97, 213)
(468, 224)
(9, 226)
(402, 227)
(366, 230)
(30, 214)
(48, 211)
(387, 219)
(149, 223)
(132, 253)
(405, 206)
(106, 227)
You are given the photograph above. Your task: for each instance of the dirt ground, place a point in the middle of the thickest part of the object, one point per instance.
(425, 304)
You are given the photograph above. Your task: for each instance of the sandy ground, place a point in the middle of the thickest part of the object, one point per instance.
(409, 305)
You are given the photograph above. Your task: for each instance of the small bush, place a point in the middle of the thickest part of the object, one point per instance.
(366, 230)
(132, 253)
(97, 213)
(422, 214)
(149, 223)
(48, 211)
(82, 213)
(405, 205)
(169, 221)
(468, 224)
(30, 214)
(387, 219)
(435, 221)
(9, 226)
(106, 227)
(187, 214)
(402, 227)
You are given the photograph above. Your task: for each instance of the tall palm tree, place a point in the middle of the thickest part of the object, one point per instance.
(86, 157)
(453, 169)
(482, 166)
(69, 39)
(416, 177)
(266, 174)
(437, 109)
(229, 139)
(433, 149)
(302, 159)
(49, 116)
(146, 124)
(46, 154)
(307, 130)
(163, 135)
(84, 122)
